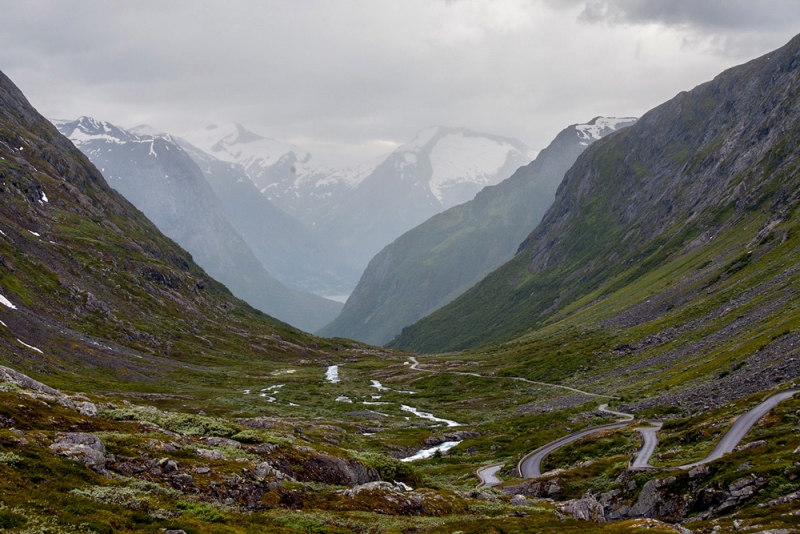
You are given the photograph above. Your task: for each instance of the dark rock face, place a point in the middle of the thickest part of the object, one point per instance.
(333, 470)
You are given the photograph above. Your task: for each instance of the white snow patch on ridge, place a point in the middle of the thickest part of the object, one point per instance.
(30, 346)
(594, 129)
(7, 303)
(457, 158)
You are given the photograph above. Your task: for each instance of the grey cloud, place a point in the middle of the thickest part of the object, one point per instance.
(708, 14)
(348, 78)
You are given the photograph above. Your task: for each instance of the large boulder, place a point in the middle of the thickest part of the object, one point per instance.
(586, 508)
(81, 447)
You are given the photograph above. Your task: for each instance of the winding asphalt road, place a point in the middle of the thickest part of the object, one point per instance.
(649, 442)
(530, 465)
(742, 425)
(488, 475)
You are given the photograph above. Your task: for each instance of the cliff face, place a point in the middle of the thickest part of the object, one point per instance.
(440, 259)
(706, 163)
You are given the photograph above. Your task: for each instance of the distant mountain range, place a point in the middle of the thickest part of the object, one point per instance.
(362, 209)
(160, 178)
(432, 264)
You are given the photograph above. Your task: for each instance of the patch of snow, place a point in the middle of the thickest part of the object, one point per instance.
(246, 392)
(2, 232)
(34, 233)
(595, 128)
(269, 399)
(426, 415)
(7, 303)
(30, 346)
(283, 372)
(332, 374)
(377, 385)
(342, 398)
(374, 403)
(4, 324)
(429, 453)
(458, 158)
(44, 198)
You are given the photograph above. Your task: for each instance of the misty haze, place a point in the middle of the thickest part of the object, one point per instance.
(376, 267)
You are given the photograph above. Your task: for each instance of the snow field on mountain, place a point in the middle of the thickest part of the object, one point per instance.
(593, 131)
(457, 158)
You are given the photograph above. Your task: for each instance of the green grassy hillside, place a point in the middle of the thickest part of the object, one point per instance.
(718, 163)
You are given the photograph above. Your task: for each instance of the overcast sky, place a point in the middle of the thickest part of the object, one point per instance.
(351, 79)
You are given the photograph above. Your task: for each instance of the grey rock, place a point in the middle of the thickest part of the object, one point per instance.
(751, 445)
(221, 442)
(81, 447)
(699, 471)
(519, 500)
(168, 466)
(210, 454)
(8, 374)
(586, 509)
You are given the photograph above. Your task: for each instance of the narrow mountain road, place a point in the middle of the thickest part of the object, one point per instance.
(415, 366)
(531, 465)
(488, 475)
(649, 442)
(742, 425)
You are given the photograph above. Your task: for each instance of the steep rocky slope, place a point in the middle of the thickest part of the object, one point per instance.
(158, 177)
(90, 287)
(434, 263)
(715, 163)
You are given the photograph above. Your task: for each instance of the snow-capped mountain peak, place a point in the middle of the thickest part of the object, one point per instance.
(236, 144)
(456, 163)
(600, 126)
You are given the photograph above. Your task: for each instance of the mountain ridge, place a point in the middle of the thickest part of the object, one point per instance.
(432, 264)
(166, 184)
(687, 170)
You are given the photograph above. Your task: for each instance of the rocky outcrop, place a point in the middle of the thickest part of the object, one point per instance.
(460, 435)
(81, 447)
(536, 488)
(36, 389)
(586, 508)
(333, 470)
